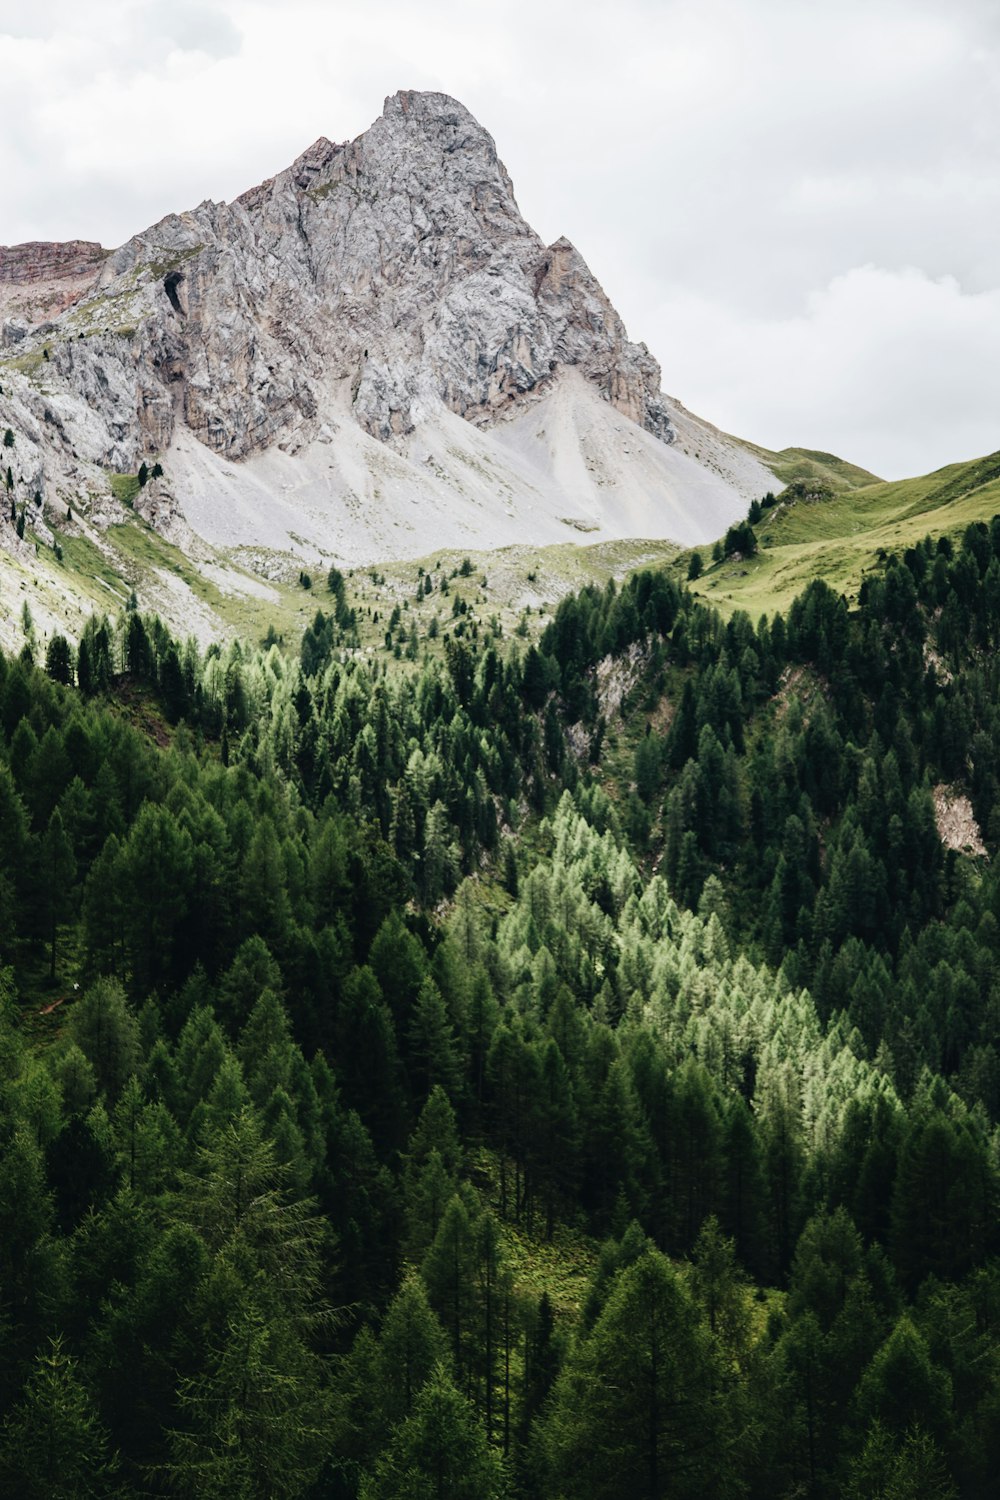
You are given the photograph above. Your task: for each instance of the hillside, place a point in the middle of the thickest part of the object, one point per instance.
(842, 535)
(480, 1017)
(475, 1035)
(790, 464)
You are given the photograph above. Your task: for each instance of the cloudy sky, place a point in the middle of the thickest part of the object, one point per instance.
(796, 205)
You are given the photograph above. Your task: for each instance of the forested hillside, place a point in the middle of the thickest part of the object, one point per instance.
(506, 1068)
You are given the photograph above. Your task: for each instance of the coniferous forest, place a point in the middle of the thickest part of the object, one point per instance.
(413, 1086)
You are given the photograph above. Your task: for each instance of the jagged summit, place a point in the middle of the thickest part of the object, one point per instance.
(371, 344)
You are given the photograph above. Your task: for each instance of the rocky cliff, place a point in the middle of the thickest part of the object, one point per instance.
(357, 301)
(38, 281)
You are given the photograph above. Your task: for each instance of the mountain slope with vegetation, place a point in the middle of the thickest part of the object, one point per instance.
(503, 1066)
(791, 464)
(817, 528)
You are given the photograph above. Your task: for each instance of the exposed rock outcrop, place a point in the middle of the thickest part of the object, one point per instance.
(40, 280)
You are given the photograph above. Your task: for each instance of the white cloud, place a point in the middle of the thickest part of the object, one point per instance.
(736, 158)
(891, 369)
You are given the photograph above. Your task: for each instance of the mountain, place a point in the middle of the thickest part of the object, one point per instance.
(458, 1053)
(366, 356)
(38, 281)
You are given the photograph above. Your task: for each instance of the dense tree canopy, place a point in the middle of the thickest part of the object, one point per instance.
(411, 989)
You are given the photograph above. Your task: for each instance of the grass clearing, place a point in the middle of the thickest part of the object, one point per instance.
(125, 487)
(562, 1266)
(146, 556)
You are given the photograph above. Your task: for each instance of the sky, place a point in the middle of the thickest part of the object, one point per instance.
(795, 205)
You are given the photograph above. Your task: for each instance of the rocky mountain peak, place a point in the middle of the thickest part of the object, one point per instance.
(398, 262)
(440, 119)
(384, 285)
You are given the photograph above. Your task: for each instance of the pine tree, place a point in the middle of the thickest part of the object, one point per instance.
(639, 1408)
(439, 1453)
(53, 1445)
(59, 660)
(542, 1358)
(107, 1033)
(902, 1387)
(399, 964)
(411, 1346)
(720, 1289)
(31, 1270)
(252, 972)
(255, 1420)
(556, 1137)
(432, 1045)
(57, 868)
(370, 1071)
(447, 1271)
(158, 868)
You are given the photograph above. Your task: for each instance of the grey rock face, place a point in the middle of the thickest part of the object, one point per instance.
(398, 262)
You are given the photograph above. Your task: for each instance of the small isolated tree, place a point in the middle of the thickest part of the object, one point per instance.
(8, 439)
(740, 539)
(696, 566)
(142, 476)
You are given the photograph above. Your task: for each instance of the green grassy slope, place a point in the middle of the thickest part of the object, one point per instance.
(214, 594)
(808, 463)
(838, 539)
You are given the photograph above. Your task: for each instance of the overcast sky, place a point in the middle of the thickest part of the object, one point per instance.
(795, 205)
